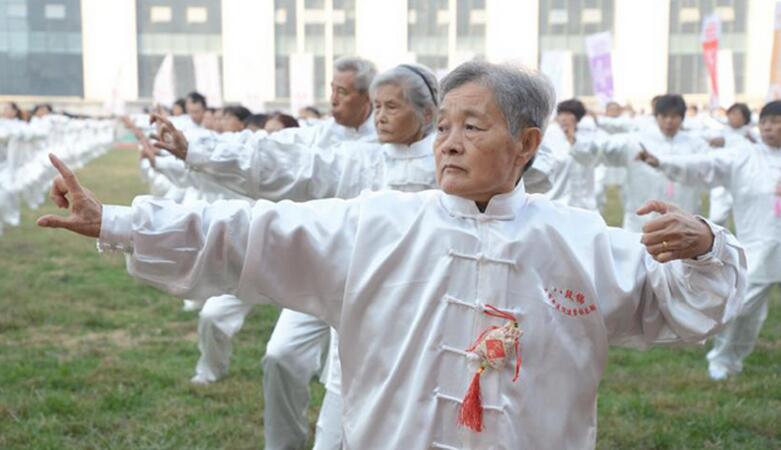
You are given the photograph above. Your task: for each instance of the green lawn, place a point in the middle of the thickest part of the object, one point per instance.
(91, 359)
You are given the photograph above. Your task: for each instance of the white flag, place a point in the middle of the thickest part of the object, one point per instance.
(207, 77)
(164, 89)
(302, 81)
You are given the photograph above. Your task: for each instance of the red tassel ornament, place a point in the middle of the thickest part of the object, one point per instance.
(492, 348)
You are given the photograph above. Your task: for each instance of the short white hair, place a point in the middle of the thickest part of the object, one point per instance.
(364, 70)
(526, 97)
(419, 86)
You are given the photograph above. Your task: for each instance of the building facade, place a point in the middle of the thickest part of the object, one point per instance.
(268, 51)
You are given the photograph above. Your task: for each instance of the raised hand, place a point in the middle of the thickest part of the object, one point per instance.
(85, 210)
(647, 157)
(168, 137)
(675, 234)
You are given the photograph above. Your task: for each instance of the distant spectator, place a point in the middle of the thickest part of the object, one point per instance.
(209, 120)
(309, 113)
(195, 105)
(42, 110)
(233, 118)
(279, 121)
(179, 107)
(11, 111)
(256, 122)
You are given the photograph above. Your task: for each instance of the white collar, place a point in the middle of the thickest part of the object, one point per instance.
(420, 149)
(500, 207)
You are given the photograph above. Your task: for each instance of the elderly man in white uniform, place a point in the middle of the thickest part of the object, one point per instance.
(436, 294)
(642, 183)
(295, 352)
(752, 175)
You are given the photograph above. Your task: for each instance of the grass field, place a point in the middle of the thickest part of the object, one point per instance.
(90, 359)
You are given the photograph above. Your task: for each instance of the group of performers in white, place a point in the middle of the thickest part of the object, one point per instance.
(439, 254)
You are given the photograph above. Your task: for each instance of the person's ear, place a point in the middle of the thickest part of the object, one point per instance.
(526, 145)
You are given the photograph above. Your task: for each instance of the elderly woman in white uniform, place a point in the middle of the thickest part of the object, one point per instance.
(436, 295)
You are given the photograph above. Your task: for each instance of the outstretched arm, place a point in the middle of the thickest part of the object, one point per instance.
(277, 167)
(294, 254)
(707, 170)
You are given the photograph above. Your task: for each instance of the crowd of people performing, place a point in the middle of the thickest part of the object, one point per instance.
(438, 250)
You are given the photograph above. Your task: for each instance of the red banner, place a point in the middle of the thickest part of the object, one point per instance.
(711, 29)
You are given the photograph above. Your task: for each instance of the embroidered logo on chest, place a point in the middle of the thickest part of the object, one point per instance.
(569, 302)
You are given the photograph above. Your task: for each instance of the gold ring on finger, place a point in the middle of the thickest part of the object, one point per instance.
(664, 245)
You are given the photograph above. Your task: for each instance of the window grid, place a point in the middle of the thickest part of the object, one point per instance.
(40, 48)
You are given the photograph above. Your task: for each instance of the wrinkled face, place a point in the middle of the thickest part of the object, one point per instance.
(770, 130)
(349, 106)
(613, 109)
(273, 124)
(195, 110)
(735, 119)
(394, 116)
(669, 123)
(231, 123)
(476, 156)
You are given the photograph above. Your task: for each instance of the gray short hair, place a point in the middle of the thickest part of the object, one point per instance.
(420, 88)
(365, 71)
(526, 97)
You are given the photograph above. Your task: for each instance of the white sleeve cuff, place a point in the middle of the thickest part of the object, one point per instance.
(199, 150)
(715, 255)
(116, 229)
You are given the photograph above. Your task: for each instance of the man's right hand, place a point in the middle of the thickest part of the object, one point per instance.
(169, 138)
(86, 211)
(647, 157)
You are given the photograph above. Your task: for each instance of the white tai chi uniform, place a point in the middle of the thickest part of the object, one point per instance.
(573, 174)
(285, 168)
(405, 278)
(643, 183)
(750, 173)
(720, 198)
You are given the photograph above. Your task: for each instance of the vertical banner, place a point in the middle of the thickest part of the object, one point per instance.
(164, 89)
(711, 31)
(557, 65)
(207, 77)
(774, 93)
(114, 103)
(726, 78)
(598, 48)
(302, 81)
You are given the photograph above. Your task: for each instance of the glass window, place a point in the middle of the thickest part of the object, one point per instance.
(197, 15)
(55, 11)
(315, 25)
(470, 26)
(40, 48)
(159, 14)
(564, 25)
(427, 32)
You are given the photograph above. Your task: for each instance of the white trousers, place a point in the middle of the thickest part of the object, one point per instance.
(736, 341)
(219, 320)
(294, 355)
(328, 435)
